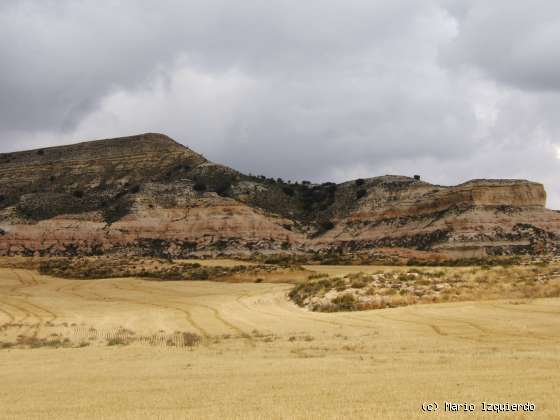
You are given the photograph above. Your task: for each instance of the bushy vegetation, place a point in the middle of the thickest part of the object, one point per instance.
(116, 210)
(360, 194)
(345, 256)
(283, 259)
(398, 288)
(466, 262)
(305, 202)
(288, 190)
(161, 269)
(326, 225)
(41, 206)
(199, 186)
(216, 180)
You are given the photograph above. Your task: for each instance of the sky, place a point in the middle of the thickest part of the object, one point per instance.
(316, 90)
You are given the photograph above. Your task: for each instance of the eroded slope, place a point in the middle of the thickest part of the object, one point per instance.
(149, 195)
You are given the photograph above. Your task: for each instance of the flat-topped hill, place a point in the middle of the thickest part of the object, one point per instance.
(148, 194)
(104, 148)
(135, 157)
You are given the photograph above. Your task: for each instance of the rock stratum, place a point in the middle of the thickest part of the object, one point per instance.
(149, 195)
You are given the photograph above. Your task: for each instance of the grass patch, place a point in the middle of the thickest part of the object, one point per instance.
(424, 285)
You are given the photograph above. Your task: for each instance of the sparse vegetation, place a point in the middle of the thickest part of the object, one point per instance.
(288, 191)
(118, 209)
(326, 225)
(200, 187)
(118, 341)
(190, 339)
(360, 194)
(161, 269)
(397, 288)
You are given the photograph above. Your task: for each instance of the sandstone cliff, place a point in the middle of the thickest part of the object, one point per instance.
(149, 195)
(472, 219)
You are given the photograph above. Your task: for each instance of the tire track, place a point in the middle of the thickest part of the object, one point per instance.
(295, 314)
(22, 284)
(235, 328)
(72, 290)
(433, 327)
(187, 314)
(492, 332)
(80, 290)
(214, 311)
(51, 314)
(29, 309)
(506, 307)
(11, 319)
(26, 315)
(485, 332)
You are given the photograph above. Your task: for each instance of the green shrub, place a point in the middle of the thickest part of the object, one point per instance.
(327, 225)
(359, 284)
(288, 191)
(345, 302)
(200, 187)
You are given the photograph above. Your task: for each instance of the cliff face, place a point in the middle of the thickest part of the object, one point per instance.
(472, 219)
(149, 195)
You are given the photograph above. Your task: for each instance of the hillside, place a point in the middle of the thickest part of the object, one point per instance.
(149, 195)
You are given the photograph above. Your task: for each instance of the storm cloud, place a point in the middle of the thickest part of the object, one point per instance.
(318, 90)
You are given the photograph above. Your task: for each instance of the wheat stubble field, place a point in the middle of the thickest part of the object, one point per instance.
(128, 348)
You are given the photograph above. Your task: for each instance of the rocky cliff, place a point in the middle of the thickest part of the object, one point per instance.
(149, 195)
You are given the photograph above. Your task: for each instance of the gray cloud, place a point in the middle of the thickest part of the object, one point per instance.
(513, 42)
(318, 90)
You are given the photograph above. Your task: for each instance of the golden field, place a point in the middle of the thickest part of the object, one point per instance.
(117, 349)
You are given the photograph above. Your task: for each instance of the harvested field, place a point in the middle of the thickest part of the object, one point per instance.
(127, 348)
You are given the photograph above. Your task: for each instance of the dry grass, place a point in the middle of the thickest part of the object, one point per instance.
(392, 287)
(259, 355)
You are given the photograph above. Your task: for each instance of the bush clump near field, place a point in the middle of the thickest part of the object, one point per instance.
(389, 289)
(114, 267)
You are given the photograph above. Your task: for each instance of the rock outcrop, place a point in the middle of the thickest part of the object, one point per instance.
(476, 218)
(149, 195)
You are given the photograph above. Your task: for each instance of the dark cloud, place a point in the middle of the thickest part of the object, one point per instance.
(317, 89)
(513, 42)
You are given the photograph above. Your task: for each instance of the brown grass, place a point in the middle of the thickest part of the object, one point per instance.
(399, 287)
